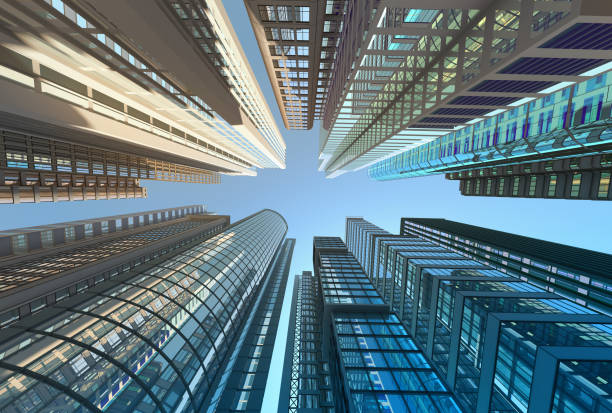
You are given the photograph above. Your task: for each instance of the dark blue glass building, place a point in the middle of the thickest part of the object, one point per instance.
(349, 352)
(486, 310)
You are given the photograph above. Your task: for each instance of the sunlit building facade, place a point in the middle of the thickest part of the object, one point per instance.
(162, 330)
(500, 340)
(413, 75)
(349, 353)
(106, 91)
(405, 84)
(298, 41)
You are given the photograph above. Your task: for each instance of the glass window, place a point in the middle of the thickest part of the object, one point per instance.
(552, 185)
(302, 34)
(604, 185)
(46, 238)
(302, 13)
(575, 190)
(19, 244)
(532, 185)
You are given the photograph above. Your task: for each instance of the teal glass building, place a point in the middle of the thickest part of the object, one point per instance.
(161, 334)
(501, 337)
(349, 352)
(555, 146)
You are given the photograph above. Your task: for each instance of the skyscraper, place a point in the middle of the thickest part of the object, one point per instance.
(163, 323)
(298, 41)
(104, 93)
(540, 149)
(348, 352)
(500, 341)
(445, 86)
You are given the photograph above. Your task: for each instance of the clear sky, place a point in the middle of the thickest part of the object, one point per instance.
(313, 205)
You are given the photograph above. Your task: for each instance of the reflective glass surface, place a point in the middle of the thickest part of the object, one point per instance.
(145, 341)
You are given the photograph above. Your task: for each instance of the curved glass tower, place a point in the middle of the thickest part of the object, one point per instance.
(151, 339)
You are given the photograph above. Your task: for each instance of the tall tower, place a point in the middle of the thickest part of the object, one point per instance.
(349, 352)
(159, 318)
(483, 307)
(298, 41)
(104, 93)
(463, 88)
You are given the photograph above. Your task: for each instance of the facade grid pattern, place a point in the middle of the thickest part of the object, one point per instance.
(151, 339)
(485, 330)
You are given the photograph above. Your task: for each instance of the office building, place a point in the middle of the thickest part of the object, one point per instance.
(243, 385)
(298, 40)
(452, 87)
(174, 314)
(103, 92)
(575, 273)
(497, 331)
(540, 149)
(348, 352)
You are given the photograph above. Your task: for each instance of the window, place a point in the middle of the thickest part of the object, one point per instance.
(88, 230)
(242, 400)
(532, 185)
(70, 234)
(46, 238)
(604, 185)
(575, 191)
(287, 34)
(285, 13)
(60, 295)
(302, 13)
(248, 381)
(302, 34)
(272, 33)
(552, 185)
(19, 244)
(79, 365)
(267, 13)
(302, 50)
(515, 186)
(500, 189)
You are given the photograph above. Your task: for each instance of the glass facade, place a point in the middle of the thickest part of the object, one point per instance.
(499, 341)
(384, 369)
(306, 380)
(577, 274)
(151, 339)
(242, 385)
(353, 354)
(556, 146)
